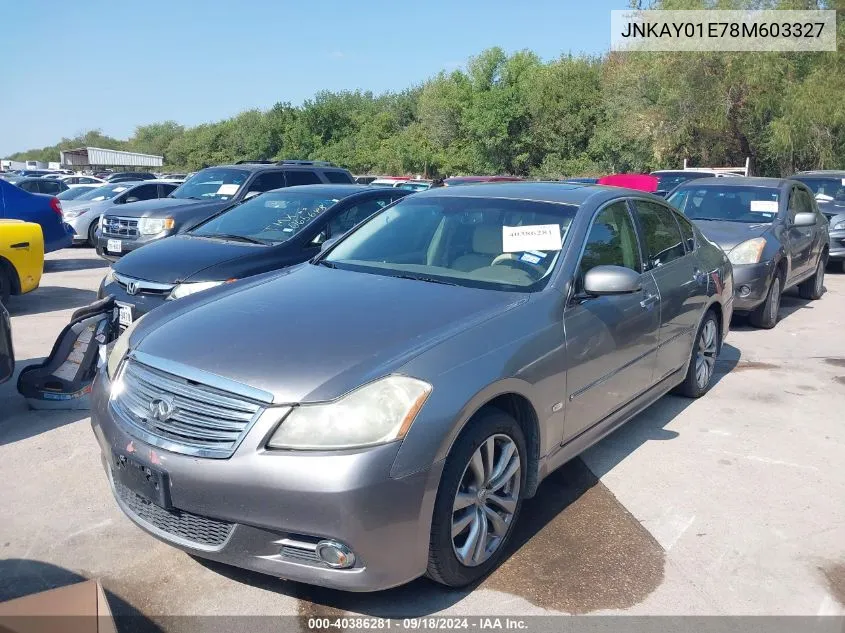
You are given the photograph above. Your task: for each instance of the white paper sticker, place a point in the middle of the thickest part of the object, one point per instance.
(764, 206)
(535, 237)
(843, 182)
(227, 190)
(539, 254)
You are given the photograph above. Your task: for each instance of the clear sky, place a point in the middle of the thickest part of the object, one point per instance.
(68, 67)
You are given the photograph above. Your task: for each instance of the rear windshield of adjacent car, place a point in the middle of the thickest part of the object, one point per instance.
(825, 189)
(106, 192)
(338, 177)
(667, 182)
(215, 183)
(731, 204)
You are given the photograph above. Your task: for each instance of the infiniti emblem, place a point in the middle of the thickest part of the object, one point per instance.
(162, 408)
(132, 287)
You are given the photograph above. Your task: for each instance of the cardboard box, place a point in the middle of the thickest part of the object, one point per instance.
(79, 608)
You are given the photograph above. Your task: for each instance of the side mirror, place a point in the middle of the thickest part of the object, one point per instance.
(611, 280)
(804, 219)
(328, 243)
(251, 194)
(131, 199)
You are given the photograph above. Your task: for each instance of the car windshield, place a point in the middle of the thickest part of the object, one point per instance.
(271, 217)
(478, 242)
(825, 189)
(415, 186)
(733, 204)
(74, 193)
(106, 192)
(212, 184)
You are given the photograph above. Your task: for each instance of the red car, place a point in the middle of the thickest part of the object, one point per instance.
(640, 182)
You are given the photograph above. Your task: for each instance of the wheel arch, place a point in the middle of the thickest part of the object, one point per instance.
(13, 274)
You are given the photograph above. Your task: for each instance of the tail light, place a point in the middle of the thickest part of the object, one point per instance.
(56, 205)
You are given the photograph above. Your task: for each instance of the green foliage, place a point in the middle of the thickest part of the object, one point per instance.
(569, 116)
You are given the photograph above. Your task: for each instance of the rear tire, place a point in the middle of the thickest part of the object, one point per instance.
(479, 480)
(813, 288)
(702, 364)
(766, 315)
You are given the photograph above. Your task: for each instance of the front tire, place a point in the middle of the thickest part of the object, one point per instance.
(702, 365)
(766, 315)
(92, 234)
(813, 288)
(478, 501)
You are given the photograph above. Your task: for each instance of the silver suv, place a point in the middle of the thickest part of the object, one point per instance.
(381, 412)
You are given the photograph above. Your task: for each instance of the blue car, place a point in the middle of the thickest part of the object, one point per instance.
(17, 204)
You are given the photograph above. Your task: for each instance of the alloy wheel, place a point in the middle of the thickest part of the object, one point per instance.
(819, 277)
(486, 499)
(775, 300)
(705, 356)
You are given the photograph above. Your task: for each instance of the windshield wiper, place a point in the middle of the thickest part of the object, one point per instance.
(235, 238)
(432, 280)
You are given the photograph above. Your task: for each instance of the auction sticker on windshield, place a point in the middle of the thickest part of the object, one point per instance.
(764, 206)
(227, 190)
(534, 237)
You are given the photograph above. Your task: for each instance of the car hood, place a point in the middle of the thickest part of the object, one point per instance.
(311, 333)
(729, 234)
(168, 207)
(179, 257)
(831, 209)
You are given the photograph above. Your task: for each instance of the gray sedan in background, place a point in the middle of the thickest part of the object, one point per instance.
(773, 232)
(84, 212)
(381, 412)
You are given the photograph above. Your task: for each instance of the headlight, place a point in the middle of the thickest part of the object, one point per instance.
(183, 290)
(839, 226)
(379, 412)
(119, 349)
(151, 226)
(748, 252)
(75, 213)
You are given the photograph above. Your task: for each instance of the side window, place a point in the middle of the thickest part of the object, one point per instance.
(662, 236)
(612, 241)
(165, 189)
(50, 186)
(143, 192)
(351, 217)
(799, 202)
(29, 185)
(301, 177)
(267, 181)
(338, 177)
(687, 232)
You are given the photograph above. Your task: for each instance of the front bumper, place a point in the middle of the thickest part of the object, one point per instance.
(80, 225)
(273, 497)
(127, 244)
(751, 284)
(837, 245)
(140, 303)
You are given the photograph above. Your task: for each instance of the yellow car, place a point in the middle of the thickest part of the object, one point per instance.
(21, 257)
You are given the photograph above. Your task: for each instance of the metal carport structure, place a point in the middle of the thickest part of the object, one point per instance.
(97, 157)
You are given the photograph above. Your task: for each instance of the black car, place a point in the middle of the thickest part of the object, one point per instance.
(828, 186)
(7, 352)
(205, 194)
(274, 230)
(773, 232)
(40, 185)
(126, 176)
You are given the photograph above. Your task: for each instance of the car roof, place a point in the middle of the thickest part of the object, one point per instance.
(337, 191)
(273, 165)
(821, 173)
(739, 181)
(554, 192)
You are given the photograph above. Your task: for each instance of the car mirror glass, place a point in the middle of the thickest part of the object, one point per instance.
(611, 280)
(251, 194)
(804, 219)
(131, 199)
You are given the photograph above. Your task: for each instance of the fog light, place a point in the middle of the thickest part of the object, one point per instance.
(335, 554)
(744, 291)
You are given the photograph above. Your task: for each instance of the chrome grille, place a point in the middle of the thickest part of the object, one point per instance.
(177, 523)
(142, 286)
(119, 227)
(199, 420)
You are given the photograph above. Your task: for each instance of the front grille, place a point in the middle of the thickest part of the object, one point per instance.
(190, 527)
(142, 286)
(181, 415)
(119, 227)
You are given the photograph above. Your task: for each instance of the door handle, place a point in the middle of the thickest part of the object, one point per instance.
(649, 300)
(20, 245)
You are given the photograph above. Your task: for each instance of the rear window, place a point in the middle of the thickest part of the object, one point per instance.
(301, 177)
(338, 177)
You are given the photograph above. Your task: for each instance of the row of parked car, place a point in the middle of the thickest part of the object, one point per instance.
(316, 375)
